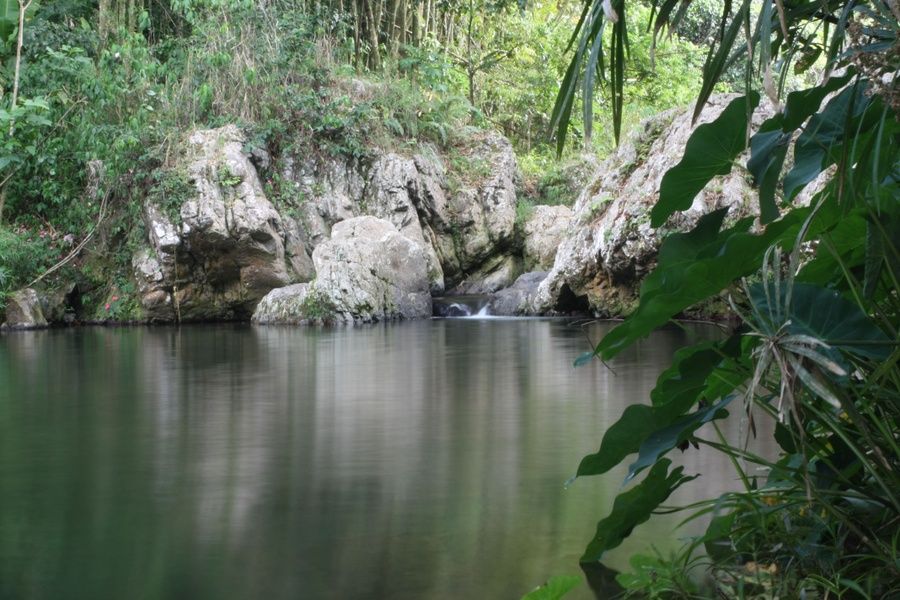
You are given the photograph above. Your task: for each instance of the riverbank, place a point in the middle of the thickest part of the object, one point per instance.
(374, 239)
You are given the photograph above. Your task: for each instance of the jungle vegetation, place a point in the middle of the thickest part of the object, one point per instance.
(814, 285)
(93, 94)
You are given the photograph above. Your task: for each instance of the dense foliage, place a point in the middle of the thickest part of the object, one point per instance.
(107, 89)
(814, 282)
(95, 95)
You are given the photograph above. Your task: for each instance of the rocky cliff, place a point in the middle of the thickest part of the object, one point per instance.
(354, 240)
(609, 245)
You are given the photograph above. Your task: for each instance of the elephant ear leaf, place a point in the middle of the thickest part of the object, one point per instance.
(663, 440)
(699, 371)
(817, 147)
(695, 265)
(710, 151)
(634, 507)
(825, 315)
(768, 148)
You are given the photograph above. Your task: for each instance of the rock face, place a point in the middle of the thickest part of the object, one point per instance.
(517, 299)
(231, 246)
(610, 246)
(356, 240)
(544, 231)
(367, 271)
(464, 218)
(31, 308)
(23, 310)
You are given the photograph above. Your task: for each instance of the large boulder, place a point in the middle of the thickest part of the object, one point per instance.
(31, 308)
(226, 246)
(24, 311)
(298, 304)
(367, 271)
(610, 245)
(461, 209)
(517, 299)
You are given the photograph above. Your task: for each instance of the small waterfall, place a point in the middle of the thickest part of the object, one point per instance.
(461, 306)
(458, 310)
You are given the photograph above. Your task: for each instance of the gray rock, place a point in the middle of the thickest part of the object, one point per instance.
(24, 311)
(298, 304)
(499, 272)
(544, 231)
(610, 246)
(367, 271)
(462, 219)
(517, 299)
(231, 246)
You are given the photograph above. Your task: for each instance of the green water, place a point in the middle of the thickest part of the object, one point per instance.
(413, 460)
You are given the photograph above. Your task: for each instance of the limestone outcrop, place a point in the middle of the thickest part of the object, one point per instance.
(543, 232)
(366, 271)
(464, 217)
(610, 246)
(225, 247)
(33, 308)
(24, 311)
(346, 239)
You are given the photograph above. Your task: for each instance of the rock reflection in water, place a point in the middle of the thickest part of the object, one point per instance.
(414, 460)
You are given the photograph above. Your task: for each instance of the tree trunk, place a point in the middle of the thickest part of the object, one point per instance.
(23, 6)
(374, 58)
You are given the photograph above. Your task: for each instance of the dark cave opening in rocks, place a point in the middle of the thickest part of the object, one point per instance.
(570, 303)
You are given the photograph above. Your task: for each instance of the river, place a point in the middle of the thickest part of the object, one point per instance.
(422, 459)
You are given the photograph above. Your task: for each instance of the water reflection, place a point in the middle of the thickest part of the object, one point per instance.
(413, 460)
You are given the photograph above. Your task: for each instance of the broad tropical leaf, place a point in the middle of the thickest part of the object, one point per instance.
(694, 266)
(817, 147)
(701, 371)
(768, 147)
(710, 151)
(634, 507)
(660, 442)
(825, 315)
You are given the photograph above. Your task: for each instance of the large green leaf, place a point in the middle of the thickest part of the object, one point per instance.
(700, 371)
(555, 588)
(802, 104)
(634, 507)
(710, 151)
(818, 145)
(9, 17)
(827, 316)
(662, 441)
(768, 146)
(845, 246)
(694, 266)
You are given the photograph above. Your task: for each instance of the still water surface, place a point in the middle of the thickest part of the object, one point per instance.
(411, 460)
